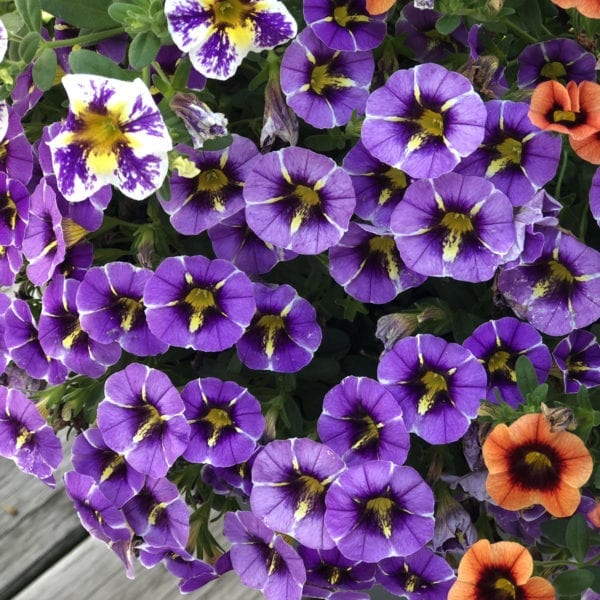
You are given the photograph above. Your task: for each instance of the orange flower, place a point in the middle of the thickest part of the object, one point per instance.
(378, 7)
(588, 8)
(588, 148)
(497, 572)
(529, 464)
(574, 109)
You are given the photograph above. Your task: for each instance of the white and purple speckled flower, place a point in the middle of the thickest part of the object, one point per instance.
(218, 34)
(578, 357)
(114, 134)
(3, 41)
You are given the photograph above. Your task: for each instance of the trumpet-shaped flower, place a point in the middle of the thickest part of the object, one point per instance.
(218, 34)
(114, 134)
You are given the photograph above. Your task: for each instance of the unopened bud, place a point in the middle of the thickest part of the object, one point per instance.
(200, 121)
(394, 327)
(559, 418)
(279, 120)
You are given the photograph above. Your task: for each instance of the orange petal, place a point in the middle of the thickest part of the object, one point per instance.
(587, 148)
(538, 588)
(515, 558)
(588, 8)
(462, 590)
(562, 501)
(477, 558)
(378, 7)
(497, 449)
(565, 3)
(506, 494)
(576, 461)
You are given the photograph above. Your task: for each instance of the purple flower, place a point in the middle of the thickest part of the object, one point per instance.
(438, 385)
(14, 211)
(516, 156)
(345, 24)
(283, 334)
(16, 157)
(26, 437)
(22, 343)
(111, 308)
(193, 573)
(424, 120)
(114, 476)
(559, 59)
(159, 515)
(11, 261)
(235, 480)
(322, 85)
(62, 337)
(421, 576)
(454, 529)
(225, 420)
(362, 421)
(3, 112)
(367, 264)
(262, 559)
(290, 480)
(455, 225)
(578, 357)
(498, 345)
(215, 191)
(377, 510)
(234, 241)
(3, 40)
(141, 417)
(595, 196)
(298, 200)
(378, 187)
(5, 302)
(560, 291)
(194, 302)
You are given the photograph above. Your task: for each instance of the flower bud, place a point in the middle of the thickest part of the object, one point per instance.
(200, 121)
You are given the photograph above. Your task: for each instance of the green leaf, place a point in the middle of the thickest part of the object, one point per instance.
(44, 69)
(92, 63)
(447, 24)
(121, 11)
(31, 11)
(13, 21)
(29, 45)
(218, 143)
(540, 394)
(578, 537)
(570, 583)
(86, 14)
(143, 49)
(556, 531)
(526, 377)
(595, 585)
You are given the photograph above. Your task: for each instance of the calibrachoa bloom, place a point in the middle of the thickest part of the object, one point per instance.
(283, 334)
(324, 86)
(262, 558)
(14, 211)
(299, 200)
(587, 148)
(218, 34)
(560, 291)
(141, 417)
(456, 225)
(589, 8)
(498, 345)
(225, 421)
(345, 24)
(424, 120)
(114, 134)
(194, 302)
(515, 155)
(362, 421)
(16, 159)
(578, 357)
(3, 41)
(530, 464)
(376, 510)
(438, 384)
(290, 479)
(499, 571)
(215, 191)
(366, 262)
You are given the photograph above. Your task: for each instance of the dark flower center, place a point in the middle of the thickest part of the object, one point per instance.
(435, 385)
(342, 16)
(457, 225)
(393, 181)
(554, 70)
(498, 584)
(24, 436)
(73, 334)
(116, 463)
(308, 201)
(218, 420)
(310, 492)
(230, 13)
(535, 466)
(367, 434)
(272, 326)
(322, 78)
(380, 510)
(150, 421)
(212, 180)
(431, 122)
(130, 311)
(199, 300)
(8, 211)
(569, 118)
(385, 247)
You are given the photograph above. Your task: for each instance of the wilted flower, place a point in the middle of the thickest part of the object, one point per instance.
(279, 120)
(200, 121)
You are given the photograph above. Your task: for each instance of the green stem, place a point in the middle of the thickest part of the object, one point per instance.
(561, 174)
(161, 73)
(84, 39)
(520, 32)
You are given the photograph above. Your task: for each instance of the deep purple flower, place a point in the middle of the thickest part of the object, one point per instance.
(62, 337)
(225, 419)
(194, 302)
(377, 510)
(111, 308)
(378, 186)
(366, 262)
(22, 343)
(438, 384)
(283, 334)
(234, 241)
(594, 197)
(498, 345)
(299, 200)
(421, 576)
(262, 558)
(290, 480)
(558, 59)
(345, 24)
(362, 421)
(113, 475)
(578, 357)
(26, 437)
(516, 156)
(560, 291)
(25, 95)
(159, 515)
(5, 302)
(322, 85)
(141, 417)
(14, 211)
(215, 191)
(424, 120)
(455, 225)
(235, 480)
(192, 572)
(16, 156)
